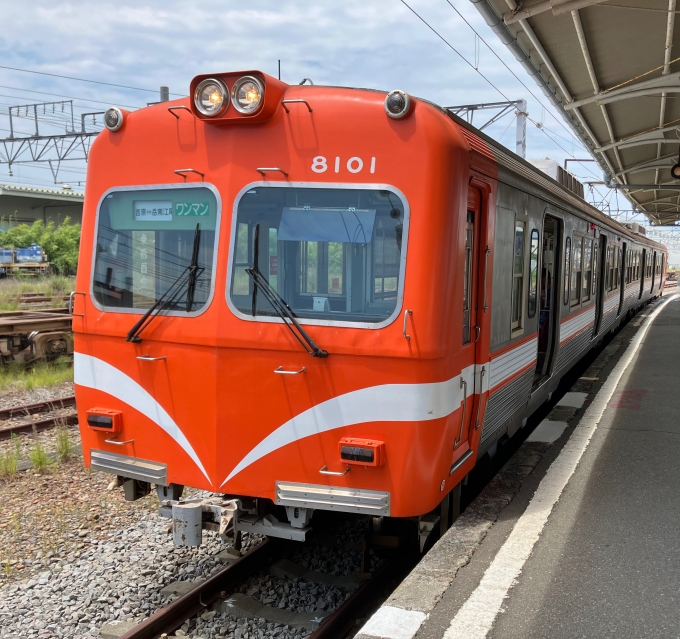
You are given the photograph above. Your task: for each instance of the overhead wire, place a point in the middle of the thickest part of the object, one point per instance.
(562, 124)
(71, 97)
(445, 41)
(68, 77)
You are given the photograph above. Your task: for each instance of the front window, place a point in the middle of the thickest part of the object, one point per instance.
(145, 248)
(332, 254)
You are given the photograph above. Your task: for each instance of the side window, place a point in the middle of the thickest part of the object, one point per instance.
(533, 273)
(567, 268)
(467, 275)
(517, 276)
(587, 268)
(576, 271)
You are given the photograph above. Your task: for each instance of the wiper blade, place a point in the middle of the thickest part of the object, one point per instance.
(188, 275)
(194, 270)
(279, 305)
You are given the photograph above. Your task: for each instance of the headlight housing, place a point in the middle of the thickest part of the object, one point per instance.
(113, 118)
(247, 94)
(211, 97)
(397, 104)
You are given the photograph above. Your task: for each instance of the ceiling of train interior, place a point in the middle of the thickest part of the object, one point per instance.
(611, 67)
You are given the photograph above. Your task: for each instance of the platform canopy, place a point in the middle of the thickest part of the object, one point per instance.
(611, 68)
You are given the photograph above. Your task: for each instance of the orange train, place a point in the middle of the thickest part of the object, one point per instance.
(318, 298)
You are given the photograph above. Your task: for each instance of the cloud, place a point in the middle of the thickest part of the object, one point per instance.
(379, 44)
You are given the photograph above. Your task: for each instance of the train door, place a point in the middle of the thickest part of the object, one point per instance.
(643, 266)
(600, 281)
(471, 327)
(548, 292)
(651, 288)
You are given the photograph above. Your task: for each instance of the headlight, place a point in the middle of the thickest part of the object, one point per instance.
(211, 97)
(113, 119)
(247, 94)
(397, 104)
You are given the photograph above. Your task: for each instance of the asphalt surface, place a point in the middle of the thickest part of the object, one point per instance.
(608, 561)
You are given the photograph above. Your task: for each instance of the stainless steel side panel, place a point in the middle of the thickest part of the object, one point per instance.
(129, 467)
(346, 500)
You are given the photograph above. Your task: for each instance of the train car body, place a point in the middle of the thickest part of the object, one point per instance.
(23, 261)
(439, 286)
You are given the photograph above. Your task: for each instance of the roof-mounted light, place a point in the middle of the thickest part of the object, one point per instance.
(211, 97)
(398, 104)
(113, 118)
(247, 94)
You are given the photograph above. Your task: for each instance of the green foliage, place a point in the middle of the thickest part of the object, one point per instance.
(60, 243)
(8, 464)
(38, 455)
(42, 374)
(64, 443)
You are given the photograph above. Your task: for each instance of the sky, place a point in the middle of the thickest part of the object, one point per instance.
(379, 44)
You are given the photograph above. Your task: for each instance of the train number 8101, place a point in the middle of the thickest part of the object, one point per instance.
(354, 164)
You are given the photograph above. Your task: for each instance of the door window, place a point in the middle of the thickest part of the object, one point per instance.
(567, 268)
(576, 271)
(533, 273)
(518, 276)
(467, 275)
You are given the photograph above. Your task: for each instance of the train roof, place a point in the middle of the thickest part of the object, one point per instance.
(523, 169)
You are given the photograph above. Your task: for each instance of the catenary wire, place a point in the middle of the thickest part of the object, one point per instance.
(68, 77)
(445, 41)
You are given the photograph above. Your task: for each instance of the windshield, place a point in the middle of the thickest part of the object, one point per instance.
(331, 254)
(145, 241)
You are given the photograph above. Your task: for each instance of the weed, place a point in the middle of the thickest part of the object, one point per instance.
(41, 375)
(64, 442)
(7, 568)
(8, 464)
(38, 455)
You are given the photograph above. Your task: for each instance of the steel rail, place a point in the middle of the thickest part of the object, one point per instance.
(40, 407)
(170, 618)
(41, 424)
(339, 623)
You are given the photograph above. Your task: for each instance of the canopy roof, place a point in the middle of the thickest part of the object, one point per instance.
(608, 66)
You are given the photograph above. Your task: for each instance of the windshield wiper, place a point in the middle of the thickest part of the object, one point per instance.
(279, 305)
(188, 275)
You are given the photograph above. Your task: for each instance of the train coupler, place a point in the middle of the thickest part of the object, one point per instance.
(227, 517)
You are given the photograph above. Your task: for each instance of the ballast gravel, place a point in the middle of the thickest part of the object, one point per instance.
(75, 555)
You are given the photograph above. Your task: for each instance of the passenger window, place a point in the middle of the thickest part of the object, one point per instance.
(518, 276)
(576, 271)
(587, 269)
(567, 267)
(608, 271)
(533, 273)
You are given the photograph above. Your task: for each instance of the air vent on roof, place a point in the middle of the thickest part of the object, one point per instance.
(557, 173)
(636, 228)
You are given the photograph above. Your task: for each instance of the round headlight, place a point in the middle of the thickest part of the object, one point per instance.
(247, 94)
(113, 119)
(675, 172)
(397, 104)
(211, 97)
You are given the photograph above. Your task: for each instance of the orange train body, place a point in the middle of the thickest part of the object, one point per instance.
(217, 397)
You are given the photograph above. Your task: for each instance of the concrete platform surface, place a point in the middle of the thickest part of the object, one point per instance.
(578, 535)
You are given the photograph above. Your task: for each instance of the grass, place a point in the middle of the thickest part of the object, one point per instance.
(38, 455)
(8, 464)
(12, 288)
(41, 375)
(64, 443)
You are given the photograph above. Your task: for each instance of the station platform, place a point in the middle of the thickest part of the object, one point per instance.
(579, 534)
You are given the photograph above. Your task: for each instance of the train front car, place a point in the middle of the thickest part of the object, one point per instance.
(270, 304)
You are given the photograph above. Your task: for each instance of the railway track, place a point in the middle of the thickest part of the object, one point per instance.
(35, 409)
(215, 593)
